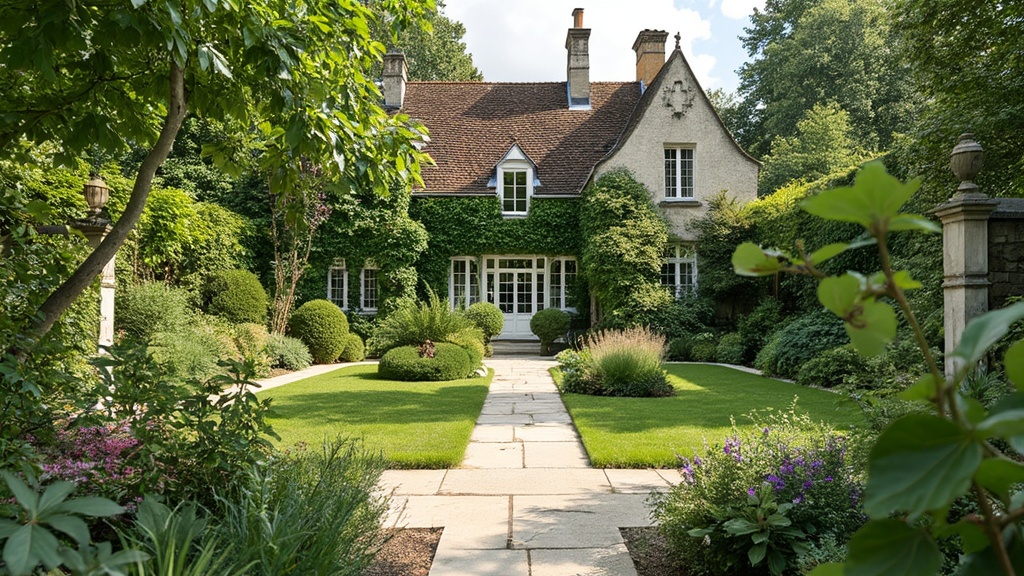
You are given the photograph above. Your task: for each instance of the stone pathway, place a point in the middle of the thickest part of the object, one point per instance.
(525, 501)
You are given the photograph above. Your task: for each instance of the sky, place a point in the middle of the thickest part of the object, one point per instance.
(524, 40)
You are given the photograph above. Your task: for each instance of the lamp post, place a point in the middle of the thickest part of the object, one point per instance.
(95, 227)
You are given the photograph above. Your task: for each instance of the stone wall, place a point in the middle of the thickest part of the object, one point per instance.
(1006, 251)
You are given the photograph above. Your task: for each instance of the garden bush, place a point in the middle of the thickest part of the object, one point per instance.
(288, 352)
(767, 358)
(730, 349)
(764, 499)
(831, 367)
(576, 377)
(142, 310)
(354, 350)
(472, 341)
(704, 347)
(487, 317)
(803, 339)
(251, 341)
(628, 362)
(413, 323)
(193, 351)
(450, 362)
(679, 348)
(681, 317)
(235, 295)
(322, 326)
(757, 327)
(549, 325)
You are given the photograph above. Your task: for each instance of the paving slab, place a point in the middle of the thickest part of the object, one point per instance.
(552, 418)
(493, 433)
(525, 481)
(555, 455)
(552, 432)
(671, 475)
(469, 522)
(637, 481)
(610, 561)
(493, 455)
(576, 521)
(520, 419)
(406, 482)
(452, 562)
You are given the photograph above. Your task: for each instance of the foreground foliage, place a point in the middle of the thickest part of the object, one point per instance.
(922, 462)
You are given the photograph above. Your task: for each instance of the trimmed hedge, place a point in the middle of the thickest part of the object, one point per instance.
(237, 296)
(355, 350)
(549, 325)
(450, 362)
(322, 327)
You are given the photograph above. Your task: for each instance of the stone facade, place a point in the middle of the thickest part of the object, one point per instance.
(1006, 251)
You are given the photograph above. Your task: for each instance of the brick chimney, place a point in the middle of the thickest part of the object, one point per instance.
(395, 74)
(577, 42)
(650, 54)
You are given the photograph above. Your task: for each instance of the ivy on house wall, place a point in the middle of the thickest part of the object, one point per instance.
(473, 226)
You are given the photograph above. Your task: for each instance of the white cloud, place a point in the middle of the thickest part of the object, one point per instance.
(524, 40)
(740, 9)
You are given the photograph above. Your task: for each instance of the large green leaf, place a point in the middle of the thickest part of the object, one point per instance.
(839, 293)
(1015, 365)
(1000, 474)
(92, 506)
(53, 495)
(830, 569)
(749, 259)
(983, 332)
(919, 463)
(875, 198)
(26, 497)
(1012, 404)
(986, 563)
(925, 388)
(872, 329)
(889, 547)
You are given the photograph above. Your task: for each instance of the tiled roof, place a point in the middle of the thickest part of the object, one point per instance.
(473, 124)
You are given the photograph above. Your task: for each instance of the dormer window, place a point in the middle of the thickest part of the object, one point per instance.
(515, 181)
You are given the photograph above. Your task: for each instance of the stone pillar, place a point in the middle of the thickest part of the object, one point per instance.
(964, 246)
(95, 230)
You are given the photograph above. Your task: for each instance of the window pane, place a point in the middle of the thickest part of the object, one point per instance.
(513, 191)
(336, 287)
(458, 295)
(686, 173)
(369, 289)
(671, 180)
(474, 282)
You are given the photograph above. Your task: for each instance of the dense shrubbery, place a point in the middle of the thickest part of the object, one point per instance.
(355, 350)
(194, 351)
(775, 497)
(251, 342)
(757, 327)
(487, 317)
(798, 342)
(288, 352)
(142, 310)
(617, 363)
(549, 325)
(237, 296)
(416, 364)
(730, 349)
(703, 347)
(322, 327)
(413, 323)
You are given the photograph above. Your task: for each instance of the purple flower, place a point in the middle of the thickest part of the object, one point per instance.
(750, 491)
(828, 478)
(798, 499)
(776, 482)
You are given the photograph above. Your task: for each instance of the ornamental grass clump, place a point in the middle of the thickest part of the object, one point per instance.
(777, 496)
(617, 363)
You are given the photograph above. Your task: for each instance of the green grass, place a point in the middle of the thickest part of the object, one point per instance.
(649, 432)
(414, 424)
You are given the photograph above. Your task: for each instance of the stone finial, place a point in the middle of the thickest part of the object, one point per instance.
(966, 161)
(678, 38)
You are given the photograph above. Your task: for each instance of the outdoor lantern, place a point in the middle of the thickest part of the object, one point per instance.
(966, 160)
(96, 195)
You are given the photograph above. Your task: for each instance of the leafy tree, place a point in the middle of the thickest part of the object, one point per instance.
(436, 52)
(806, 52)
(824, 144)
(96, 76)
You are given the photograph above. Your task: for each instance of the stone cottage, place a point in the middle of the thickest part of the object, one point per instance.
(518, 152)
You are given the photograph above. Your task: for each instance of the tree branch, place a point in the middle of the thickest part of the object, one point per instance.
(62, 298)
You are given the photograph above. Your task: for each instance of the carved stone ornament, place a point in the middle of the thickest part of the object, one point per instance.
(678, 97)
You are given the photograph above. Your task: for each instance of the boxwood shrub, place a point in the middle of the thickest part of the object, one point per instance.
(322, 327)
(487, 317)
(450, 362)
(549, 325)
(472, 341)
(704, 347)
(355, 350)
(237, 296)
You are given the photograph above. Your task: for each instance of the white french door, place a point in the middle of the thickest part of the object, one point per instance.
(516, 286)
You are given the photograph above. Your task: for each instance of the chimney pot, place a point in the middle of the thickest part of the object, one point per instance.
(650, 54)
(396, 72)
(577, 18)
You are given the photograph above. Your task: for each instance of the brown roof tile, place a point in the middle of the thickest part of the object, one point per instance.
(473, 124)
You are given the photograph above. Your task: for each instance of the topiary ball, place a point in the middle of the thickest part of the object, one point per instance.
(549, 325)
(450, 362)
(237, 296)
(322, 326)
(355, 350)
(487, 317)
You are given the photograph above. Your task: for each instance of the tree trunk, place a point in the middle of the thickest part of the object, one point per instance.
(64, 295)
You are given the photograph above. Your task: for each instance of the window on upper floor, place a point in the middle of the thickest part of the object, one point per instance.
(369, 290)
(679, 271)
(679, 169)
(514, 191)
(337, 284)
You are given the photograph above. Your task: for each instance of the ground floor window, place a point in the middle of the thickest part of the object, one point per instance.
(464, 282)
(563, 278)
(369, 291)
(337, 284)
(679, 272)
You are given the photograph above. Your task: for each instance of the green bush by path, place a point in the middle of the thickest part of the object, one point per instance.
(322, 326)
(486, 317)
(449, 362)
(413, 323)
(730, 349)
(650, 432)
(617, 363)
(142, 310)
(415, 424)
(800, 341)
(355, 350)
(287, 352)
(549, 325)
(237, 296)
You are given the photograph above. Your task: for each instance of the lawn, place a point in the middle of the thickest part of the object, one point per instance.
(649, 432)
(414, 424)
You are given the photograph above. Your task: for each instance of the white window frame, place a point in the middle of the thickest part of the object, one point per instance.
(469, 296)
(515, 167)
(678, 255)
(338, 266)
(683, 185)
(363, 296)
(558, 290)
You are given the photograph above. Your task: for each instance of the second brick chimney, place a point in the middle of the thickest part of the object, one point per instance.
(396, 72)
(577, 42)
(650, 54)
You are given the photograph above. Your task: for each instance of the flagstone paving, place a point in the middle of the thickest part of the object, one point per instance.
(525, 501)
